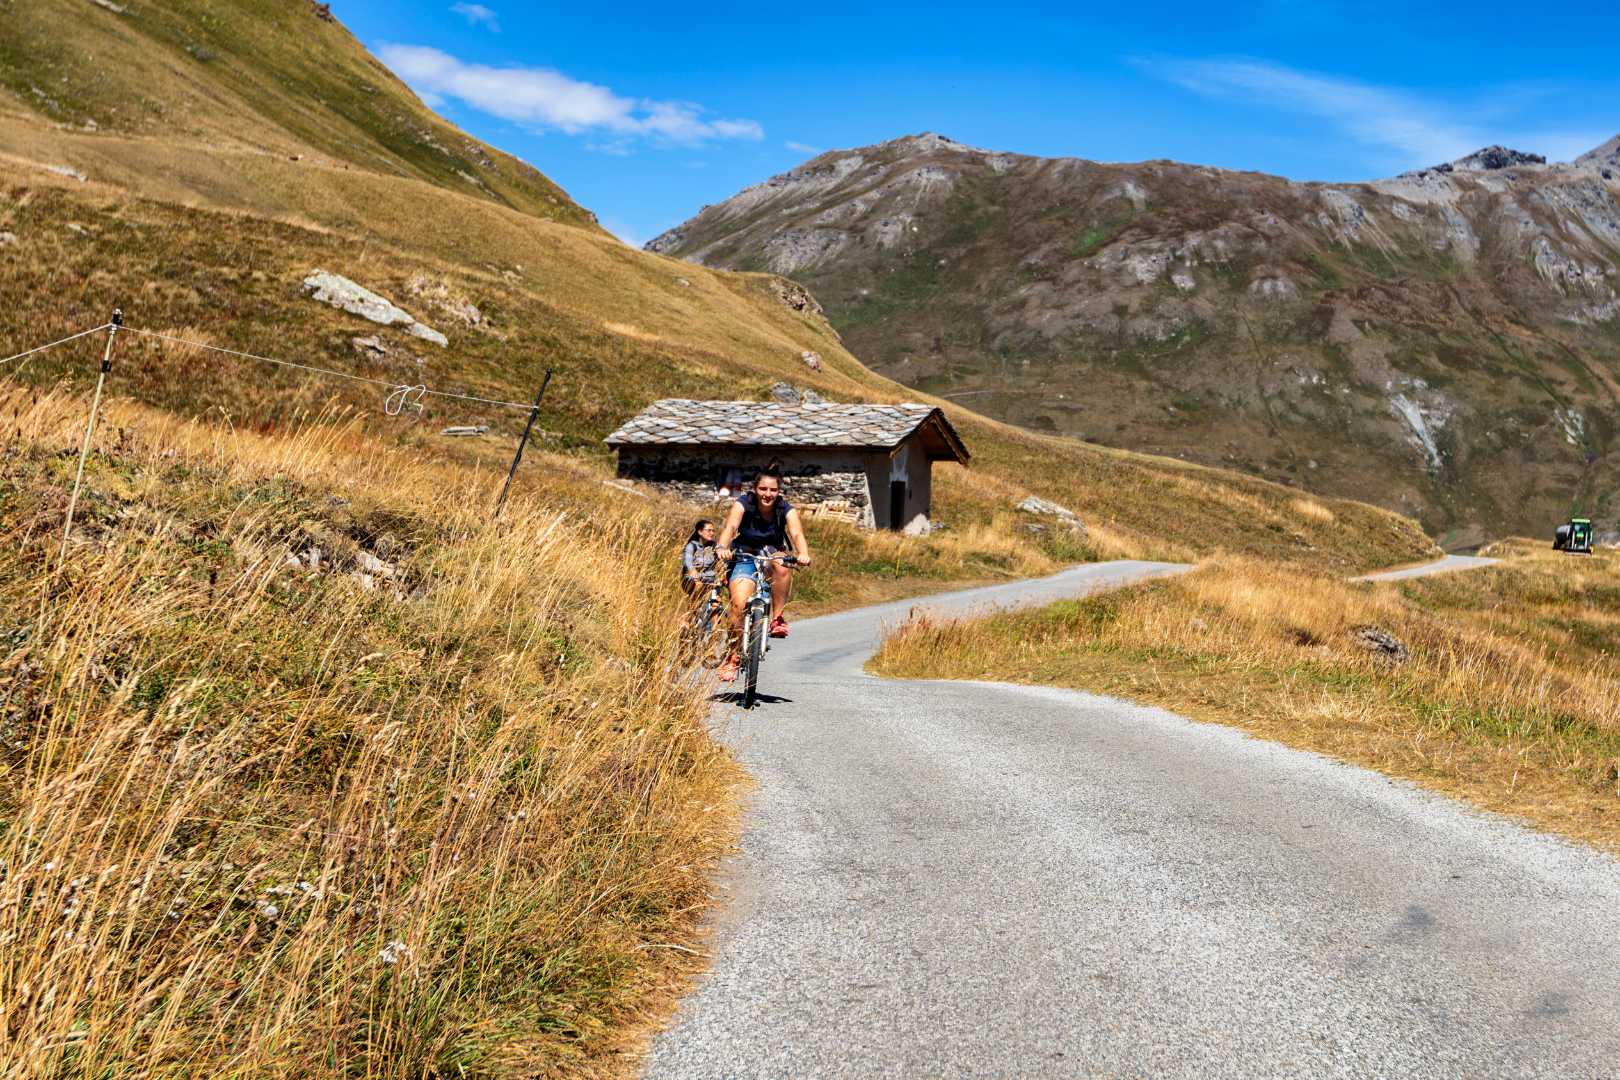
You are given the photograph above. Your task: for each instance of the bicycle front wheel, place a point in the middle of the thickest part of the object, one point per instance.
(753, 648)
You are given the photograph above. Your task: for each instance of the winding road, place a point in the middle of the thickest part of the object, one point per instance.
(978, 879)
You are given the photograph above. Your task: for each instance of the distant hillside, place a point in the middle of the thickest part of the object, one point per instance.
(187, 82)
(1443, 343)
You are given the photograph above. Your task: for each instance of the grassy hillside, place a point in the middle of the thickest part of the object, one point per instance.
(239, 147)
(1508, 697)
(181, 81)
(306, 771)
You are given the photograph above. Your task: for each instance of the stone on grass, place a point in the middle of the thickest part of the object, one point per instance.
(1385, 647)
(812, 360)
(785, 393)
(370, 564)
(1045, 508)
(427, 333)
(7, 239)
(440, 295)
(346, 295)
(795, 296)
(918, 526)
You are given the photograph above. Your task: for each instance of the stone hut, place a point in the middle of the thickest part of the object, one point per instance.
(877, 459)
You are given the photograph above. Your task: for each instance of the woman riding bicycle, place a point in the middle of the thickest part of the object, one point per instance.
(698, 558)
(759, 522)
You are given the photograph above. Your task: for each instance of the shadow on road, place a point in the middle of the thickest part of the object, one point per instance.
(734, 697)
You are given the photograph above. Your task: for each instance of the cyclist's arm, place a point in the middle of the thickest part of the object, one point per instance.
(795, 535)
(728, 532)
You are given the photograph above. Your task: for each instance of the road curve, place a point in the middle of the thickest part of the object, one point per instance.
(1439, 566)
(977, 879)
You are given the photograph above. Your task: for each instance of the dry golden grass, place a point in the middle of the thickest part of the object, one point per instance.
(261, 819)
(1510, 698)
(1313, 510)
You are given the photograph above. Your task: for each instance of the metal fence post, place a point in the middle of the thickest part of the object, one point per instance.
(534, 411)
(89, 432)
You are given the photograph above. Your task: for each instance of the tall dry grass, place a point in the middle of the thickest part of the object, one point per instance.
(425, 802)
(1509, 692)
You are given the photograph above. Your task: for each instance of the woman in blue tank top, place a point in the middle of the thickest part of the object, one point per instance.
(760, 519)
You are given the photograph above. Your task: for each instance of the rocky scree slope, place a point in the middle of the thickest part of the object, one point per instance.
(1443, 342)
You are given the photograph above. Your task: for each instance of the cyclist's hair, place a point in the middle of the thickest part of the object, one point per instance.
(698, 528)
(773, 470)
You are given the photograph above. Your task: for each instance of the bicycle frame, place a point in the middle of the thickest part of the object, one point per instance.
(756, 618)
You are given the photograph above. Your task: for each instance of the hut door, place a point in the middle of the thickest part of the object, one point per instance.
(897, 503)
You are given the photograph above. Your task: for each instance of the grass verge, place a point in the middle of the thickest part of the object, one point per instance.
(306, 770)
(1508, 694)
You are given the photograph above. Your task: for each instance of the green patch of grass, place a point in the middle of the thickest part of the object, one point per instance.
(1322, 269)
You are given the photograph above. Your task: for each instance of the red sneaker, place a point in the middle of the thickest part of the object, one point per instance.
(728, 672)
(779, 627)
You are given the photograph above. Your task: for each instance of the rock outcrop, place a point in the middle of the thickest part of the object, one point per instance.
(1046, 508)
(346, 295)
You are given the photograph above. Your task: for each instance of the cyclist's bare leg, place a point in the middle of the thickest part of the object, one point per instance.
(781, 588)
(742, 590)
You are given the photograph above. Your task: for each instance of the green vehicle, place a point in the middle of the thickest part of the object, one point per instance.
(1574, 538)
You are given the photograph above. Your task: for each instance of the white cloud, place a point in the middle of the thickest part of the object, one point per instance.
(802, 147)
(1419, 132)
(478, 15)
(547, 99)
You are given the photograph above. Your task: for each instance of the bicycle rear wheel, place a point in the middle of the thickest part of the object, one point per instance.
(714, 639)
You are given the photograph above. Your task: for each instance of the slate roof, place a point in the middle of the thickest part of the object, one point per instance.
(680, 422)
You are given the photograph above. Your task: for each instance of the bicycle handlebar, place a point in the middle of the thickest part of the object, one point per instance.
(776, 556)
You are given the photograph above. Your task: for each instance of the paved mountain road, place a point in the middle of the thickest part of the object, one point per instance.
(975, 879)
(1439, 566)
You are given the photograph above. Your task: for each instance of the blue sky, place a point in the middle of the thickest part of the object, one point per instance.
(645, 112)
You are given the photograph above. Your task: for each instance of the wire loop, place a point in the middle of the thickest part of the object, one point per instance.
(401, 398)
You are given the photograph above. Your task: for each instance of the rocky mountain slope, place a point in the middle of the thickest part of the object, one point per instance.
(1443, 343)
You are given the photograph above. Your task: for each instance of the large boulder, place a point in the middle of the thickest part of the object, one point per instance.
(1385, 647)
(1045, 508)
(346, 295)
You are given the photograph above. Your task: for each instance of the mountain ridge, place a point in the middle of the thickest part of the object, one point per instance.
(1394, 339)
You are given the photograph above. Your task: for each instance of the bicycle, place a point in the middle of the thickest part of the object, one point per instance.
(710, 625)
(756, 623)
